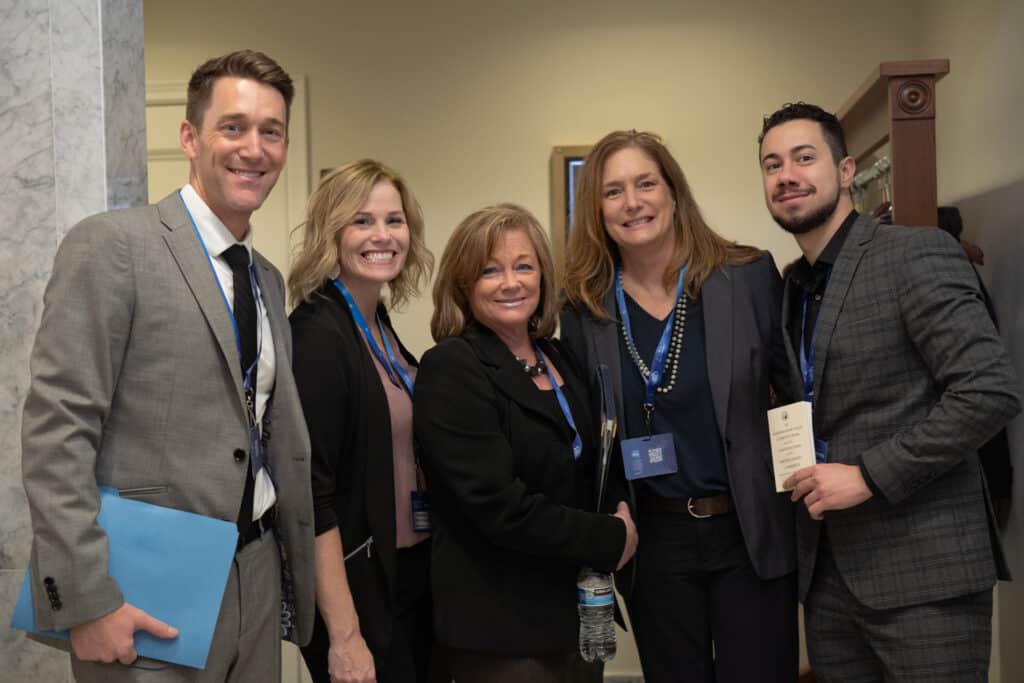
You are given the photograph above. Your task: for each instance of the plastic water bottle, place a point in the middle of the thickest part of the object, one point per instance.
(596, 607)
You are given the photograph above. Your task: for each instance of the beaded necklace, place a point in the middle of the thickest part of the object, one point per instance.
(537, 369)
(674, 349)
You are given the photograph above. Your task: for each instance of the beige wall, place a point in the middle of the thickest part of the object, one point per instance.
(981, 170)
(468, 101)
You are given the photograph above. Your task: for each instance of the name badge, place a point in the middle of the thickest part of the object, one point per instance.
(420, 512)
(257, 459)
(791, 432)
(649, 456)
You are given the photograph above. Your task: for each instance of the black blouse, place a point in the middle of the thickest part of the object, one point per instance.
(687, 412)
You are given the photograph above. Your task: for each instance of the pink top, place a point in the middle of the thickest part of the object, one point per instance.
(402, 456)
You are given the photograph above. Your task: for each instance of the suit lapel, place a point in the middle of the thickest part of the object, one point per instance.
(793, 365)
(606, 341)
(195, 267)
(606, 345)
(273, 300)
(508, 373)
(717, 298)
(861, 234)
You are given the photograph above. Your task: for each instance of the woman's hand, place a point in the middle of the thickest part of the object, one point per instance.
(632, 538)
(350, 661)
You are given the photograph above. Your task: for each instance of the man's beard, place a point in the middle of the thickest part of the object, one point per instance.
(815, 219)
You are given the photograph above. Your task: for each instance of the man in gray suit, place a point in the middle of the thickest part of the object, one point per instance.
(887, 335)
(162, 369)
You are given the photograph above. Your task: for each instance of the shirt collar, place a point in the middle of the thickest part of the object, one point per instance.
(214, 233)
(811, 277)
(830, 253)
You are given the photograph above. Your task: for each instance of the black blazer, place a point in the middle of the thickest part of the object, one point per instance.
(741, 321)
(505, 492)
(350, 433)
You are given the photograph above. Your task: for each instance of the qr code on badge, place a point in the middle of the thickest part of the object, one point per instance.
(655, 456)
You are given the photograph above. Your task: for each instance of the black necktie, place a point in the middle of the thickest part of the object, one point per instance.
(237, 257)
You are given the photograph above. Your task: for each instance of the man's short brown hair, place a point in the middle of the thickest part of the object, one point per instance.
(249, 64)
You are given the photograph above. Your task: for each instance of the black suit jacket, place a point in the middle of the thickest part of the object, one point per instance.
(509, 538)
(350, 433)
(741, 322)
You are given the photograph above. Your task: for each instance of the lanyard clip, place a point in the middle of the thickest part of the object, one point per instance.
(648, 412)
(250, 406)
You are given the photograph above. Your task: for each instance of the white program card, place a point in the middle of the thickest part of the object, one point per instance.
(792, 437)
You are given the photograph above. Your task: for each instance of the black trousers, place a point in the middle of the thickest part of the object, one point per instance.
(411, 657)
(478, 667)
(699, 611)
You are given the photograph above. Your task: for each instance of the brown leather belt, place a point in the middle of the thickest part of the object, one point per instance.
(699, 508)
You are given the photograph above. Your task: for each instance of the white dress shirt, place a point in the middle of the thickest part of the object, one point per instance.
(217, 239)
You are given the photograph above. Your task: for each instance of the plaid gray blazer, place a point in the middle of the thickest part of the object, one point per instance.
(910, 378)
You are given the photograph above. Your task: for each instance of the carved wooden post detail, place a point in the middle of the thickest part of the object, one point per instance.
(896, 105)
(914, 181)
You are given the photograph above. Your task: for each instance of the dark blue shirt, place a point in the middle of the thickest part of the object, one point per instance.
(687, 412)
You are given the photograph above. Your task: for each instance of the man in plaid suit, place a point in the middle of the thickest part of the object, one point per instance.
(885, 332)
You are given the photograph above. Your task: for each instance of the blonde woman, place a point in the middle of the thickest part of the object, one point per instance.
(686, 322)
(363, 234)
(510, 451)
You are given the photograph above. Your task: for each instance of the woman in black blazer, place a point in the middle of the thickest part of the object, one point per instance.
(711, 592)
(511, 481)
(363, 230)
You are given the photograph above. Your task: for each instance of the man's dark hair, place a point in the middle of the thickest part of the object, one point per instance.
(830, 126)
(248, 64)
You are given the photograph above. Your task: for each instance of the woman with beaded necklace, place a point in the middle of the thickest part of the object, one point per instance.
(508, 449)
(686, 321)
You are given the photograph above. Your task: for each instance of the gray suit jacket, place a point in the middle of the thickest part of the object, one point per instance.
(741, 304)
(136, 385)
(910, 378)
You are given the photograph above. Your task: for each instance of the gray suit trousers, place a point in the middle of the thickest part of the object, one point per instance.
(947, 641)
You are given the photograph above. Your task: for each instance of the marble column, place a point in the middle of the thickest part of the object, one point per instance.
(73, 141)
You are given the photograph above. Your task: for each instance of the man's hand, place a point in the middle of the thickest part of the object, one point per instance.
(349, 660)
(828, 486)
(110, 638)
(622, 512)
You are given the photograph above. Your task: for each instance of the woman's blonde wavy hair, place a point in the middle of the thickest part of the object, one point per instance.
(341, 194)
(462, 263)
(591, 255)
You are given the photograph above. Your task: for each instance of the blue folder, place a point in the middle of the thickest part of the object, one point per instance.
(169, 563)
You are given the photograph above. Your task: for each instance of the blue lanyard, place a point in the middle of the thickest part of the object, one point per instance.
(807, 357)
(247, 373)
(390, 363)
(577, 442)
(657, 365)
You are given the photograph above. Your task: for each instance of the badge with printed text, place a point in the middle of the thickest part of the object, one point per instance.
(649, 456)
(420, 512)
